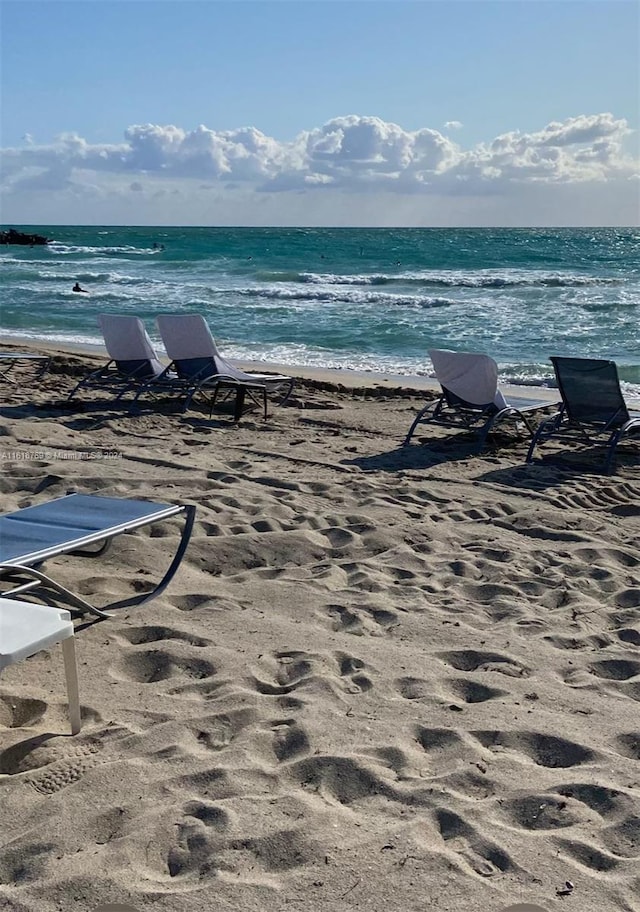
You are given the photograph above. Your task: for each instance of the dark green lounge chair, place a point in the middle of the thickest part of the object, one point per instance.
(593, 407)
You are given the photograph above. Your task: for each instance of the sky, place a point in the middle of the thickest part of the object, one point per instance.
(326, 112)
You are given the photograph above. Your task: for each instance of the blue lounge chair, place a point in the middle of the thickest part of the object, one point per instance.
(593, 408)
(195, 358)
(72, 525)
(470, 398)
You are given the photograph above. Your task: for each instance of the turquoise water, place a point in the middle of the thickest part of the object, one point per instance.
(362, 299)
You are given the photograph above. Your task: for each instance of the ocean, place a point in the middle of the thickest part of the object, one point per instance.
(360, 299)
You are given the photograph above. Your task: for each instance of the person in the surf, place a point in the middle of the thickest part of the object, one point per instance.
(77, 287)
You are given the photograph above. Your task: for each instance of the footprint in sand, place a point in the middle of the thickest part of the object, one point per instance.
(339, 779)
(629, 635)
(414, 688)
(24, 864)
(473, 660)
(615, 669)
(298, 669)
(628, 745)
(151, 634)
(483, 856)
(466, 690)
(212, 816)
(588, 855)
(290, 740)
(51, 763)
(20, 712)
(609, 803)
(623, 839)
(153, 665)
(353, 669)
(473, 691)
(446, 750)
(543, 750)
(543, 812)
(362, 620)
(292, 670)
(197, 600)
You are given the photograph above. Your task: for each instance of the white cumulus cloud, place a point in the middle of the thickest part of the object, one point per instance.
(351, 153)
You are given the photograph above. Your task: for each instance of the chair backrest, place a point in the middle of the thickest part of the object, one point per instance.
(472, 377)
(186, 336)
(128, 342)
(590, 391)
(192, 348)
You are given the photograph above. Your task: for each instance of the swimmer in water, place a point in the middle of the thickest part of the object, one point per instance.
(76, 287)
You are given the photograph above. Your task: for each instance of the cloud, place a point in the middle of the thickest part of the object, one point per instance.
(347, 154)
(453, 125)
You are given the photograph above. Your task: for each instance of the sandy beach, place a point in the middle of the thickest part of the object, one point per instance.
(385, 679)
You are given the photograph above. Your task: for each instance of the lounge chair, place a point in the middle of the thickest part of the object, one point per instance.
(72, 525)
(195, 357)
(26, 628)
(10, 360)
(133, 361)
(470, 398)
(593, 408)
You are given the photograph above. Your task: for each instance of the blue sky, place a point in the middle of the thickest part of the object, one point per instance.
(325, 112)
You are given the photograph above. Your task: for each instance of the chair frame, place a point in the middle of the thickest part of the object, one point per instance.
(122, 375)
(568, 424)
(22, 573)
(188, 378)
(9, 361)
(452, 410)
(117, 376)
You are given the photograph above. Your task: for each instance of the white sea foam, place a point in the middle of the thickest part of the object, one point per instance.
(56, 247)
(272, 296)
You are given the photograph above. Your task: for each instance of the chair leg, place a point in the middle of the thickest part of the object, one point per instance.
(612, 443)
(419, 417)
(71, 674)
(484, 432)
(237, 413)
(544, 431)
(532, 446)
(140, 599)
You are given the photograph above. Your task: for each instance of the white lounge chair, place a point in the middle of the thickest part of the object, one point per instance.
(470, 397)
(26, 628)
(195, 358)
(133, 361)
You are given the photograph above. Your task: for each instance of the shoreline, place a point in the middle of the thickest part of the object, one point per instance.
(351, 379)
